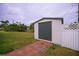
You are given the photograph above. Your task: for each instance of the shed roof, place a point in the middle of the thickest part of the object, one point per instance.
(49, 18)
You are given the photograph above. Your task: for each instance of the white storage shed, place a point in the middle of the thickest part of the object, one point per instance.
(53, 30)
(49, 29)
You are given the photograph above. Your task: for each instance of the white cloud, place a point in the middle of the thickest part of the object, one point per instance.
(28, 13)
(15, 13)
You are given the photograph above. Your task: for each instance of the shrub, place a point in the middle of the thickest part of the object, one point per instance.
(6, 26)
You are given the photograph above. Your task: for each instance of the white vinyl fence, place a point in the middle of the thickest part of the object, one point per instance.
(70, 39)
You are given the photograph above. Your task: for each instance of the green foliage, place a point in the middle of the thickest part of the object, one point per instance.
(22, 27)
(12, 27)
(6, 26)
(31, 28)
(16, 27)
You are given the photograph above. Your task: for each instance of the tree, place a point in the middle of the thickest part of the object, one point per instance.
(22, 27)
(4, 24)
(31, 27)
(17, 27)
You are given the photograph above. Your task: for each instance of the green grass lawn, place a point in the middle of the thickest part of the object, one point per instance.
(10, 41)
(56, 50)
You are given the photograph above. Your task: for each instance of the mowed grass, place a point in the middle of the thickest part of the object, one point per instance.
(10, 41)
(56, 50)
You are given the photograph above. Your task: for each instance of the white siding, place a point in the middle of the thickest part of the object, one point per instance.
(65, 38)
(70, 39)
(56, 31)
(36, 31)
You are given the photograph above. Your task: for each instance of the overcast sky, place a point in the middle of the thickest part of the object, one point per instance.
(31, 12)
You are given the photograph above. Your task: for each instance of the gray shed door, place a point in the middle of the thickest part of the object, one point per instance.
(45, 30)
